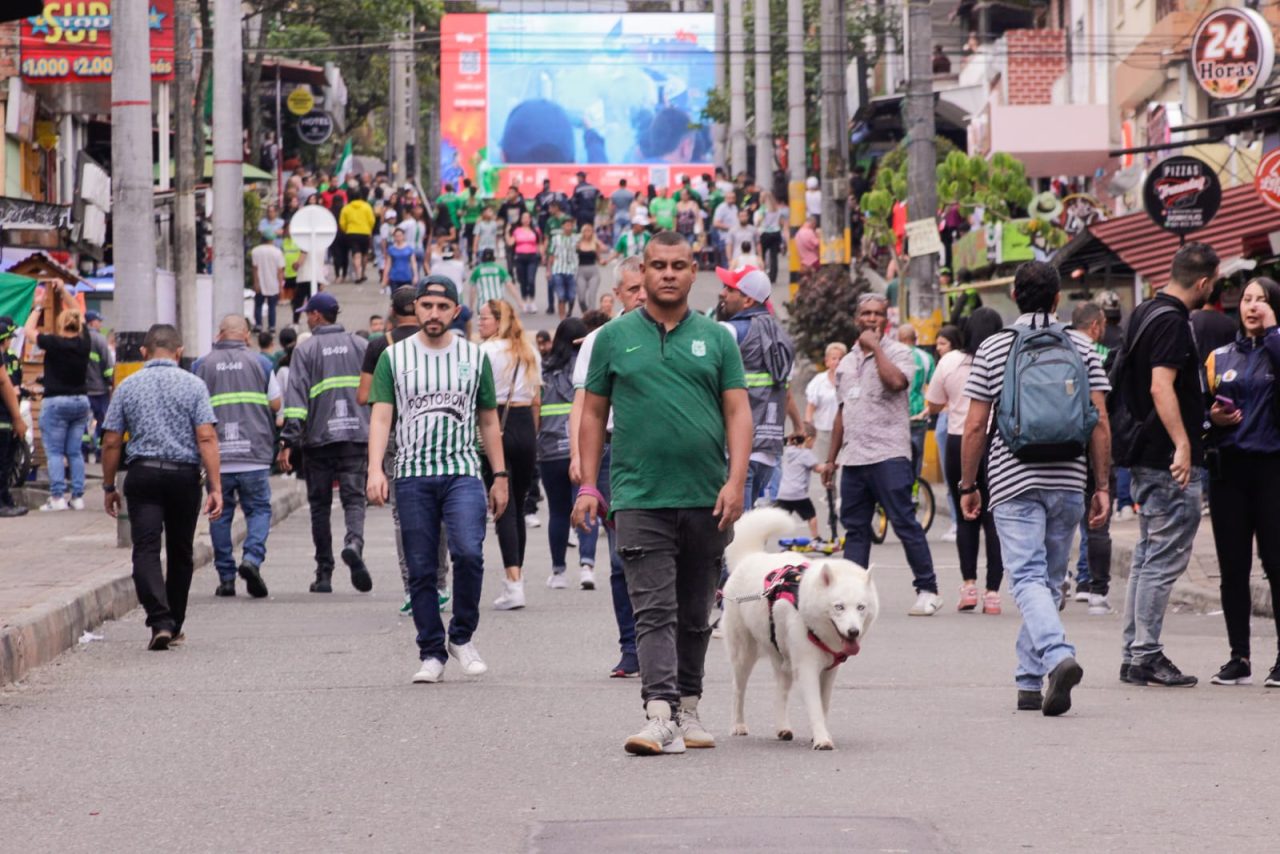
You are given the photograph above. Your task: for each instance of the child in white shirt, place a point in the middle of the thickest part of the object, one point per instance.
(798, 462)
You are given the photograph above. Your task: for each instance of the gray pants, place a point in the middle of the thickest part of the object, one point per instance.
(588, 286)
(1167, 525)
(442, 575)
(671, 559)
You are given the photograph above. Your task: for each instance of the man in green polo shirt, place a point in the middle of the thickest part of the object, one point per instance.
(674, 379)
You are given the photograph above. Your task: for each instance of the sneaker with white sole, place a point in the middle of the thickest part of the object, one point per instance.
(659, 735)
(512, 596)
(469, 658)
(77, 503)
(691, 728)
(432, 670)
(1098, 605)
(54, 505)
(572, 542)
(557, 581)
(927, 604)
(587, 577)
(531, 520)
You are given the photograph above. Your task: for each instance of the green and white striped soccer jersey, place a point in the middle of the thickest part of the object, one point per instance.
(436, 394)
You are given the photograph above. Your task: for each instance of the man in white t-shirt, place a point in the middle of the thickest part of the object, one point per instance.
(629, 289)
(268, 279)
(449, 265)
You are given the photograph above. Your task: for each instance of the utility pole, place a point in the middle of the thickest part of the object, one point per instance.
(834, 136)
(925, 302)
(764, 95)
(398, 131)
(228, 161)
(132, 215)
(184, 200)
(797, 147)
(737, 89)
(718, 129)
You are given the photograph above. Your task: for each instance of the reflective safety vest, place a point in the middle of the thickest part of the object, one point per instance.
(237, 383)
(767, 358)
(320, 406)
(553, 424)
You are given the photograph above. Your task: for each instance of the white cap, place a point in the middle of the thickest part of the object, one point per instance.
(811, 182)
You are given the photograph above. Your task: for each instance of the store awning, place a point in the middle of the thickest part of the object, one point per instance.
(1240, 230)
(252, 174)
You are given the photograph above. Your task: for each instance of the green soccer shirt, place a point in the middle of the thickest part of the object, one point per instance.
(436, 394)
(668, 425)
(490, 281)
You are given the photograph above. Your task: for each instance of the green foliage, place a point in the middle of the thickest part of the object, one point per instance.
(823, 311)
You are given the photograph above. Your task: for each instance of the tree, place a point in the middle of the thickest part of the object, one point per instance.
(823, 311)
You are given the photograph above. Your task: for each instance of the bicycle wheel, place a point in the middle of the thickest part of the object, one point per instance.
(879, 525)
(924, 504)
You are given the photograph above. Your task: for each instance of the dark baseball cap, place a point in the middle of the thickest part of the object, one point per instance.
(322, 302)
(402, 300)
(438, 286)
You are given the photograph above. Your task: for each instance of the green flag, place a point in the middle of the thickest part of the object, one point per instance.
(16, 293)
(344, 165)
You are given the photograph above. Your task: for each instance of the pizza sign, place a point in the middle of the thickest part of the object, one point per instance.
(1232, 52)
(1182, 194)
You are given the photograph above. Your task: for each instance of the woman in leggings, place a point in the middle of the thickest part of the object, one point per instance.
(591, 254)
(1244, 469)
(517, 373)
(946, 391)
(948, 338)
(523, 242)
(553, 452)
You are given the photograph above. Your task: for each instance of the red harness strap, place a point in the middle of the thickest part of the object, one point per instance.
(837, 658)
(784, 584)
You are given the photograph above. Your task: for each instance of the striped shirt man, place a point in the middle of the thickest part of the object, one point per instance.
(490, 282)
(564, 254)
(1007, 476)
(436, 394)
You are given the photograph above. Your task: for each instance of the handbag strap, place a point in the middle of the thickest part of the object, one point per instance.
(511, 391)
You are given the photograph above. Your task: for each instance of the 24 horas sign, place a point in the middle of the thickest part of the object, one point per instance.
(70, 41)
(1232, 52)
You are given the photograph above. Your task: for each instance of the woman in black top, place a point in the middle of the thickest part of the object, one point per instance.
(590, 253)
(64, 414)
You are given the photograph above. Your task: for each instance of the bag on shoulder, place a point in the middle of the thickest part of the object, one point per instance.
(1045, 414)
(1126, 427)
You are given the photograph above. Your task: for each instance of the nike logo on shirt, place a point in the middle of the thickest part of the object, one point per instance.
(633, 349)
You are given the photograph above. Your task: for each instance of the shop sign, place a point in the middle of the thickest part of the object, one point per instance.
(70, 42)
(1232, 52)
(1182, 194)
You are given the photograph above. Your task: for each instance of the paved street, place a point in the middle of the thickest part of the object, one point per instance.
(291, 724)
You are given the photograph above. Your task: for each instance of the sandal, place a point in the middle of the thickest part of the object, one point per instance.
(991, 602)
(968, 598)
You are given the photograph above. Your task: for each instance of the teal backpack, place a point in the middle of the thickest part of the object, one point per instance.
(1044, 413)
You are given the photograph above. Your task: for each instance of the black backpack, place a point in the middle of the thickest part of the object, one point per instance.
(1126, 428)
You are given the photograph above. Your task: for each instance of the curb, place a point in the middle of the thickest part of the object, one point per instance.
(45, 631)
(1199, 597)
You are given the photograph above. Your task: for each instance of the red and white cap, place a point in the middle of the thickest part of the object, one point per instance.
(750, 281)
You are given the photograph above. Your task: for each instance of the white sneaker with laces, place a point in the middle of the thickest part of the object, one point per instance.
(512, 596)
(587, 577)
(691, 729)
(927, 604)
(53, 505)
(77, 503)
(531, 520)
(1098, 605)
(557, 581)
(573, 539)
(432, 670)
(660, 733)
(469, 658)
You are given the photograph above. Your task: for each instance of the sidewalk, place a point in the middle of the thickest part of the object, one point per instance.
(61, 574)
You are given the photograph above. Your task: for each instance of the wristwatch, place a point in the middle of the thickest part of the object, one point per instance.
(966, 490)
(503, 473)
(108, 488)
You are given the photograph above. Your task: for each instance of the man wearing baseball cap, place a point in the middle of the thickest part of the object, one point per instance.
(323, 415)
(767, 358)
(437, 389)
(98, 377)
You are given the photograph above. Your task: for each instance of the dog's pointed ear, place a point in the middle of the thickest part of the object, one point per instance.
(826, 575)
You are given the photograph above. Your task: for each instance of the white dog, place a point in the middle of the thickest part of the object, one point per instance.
(807, 613)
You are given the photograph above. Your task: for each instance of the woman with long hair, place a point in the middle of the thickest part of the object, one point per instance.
(591, 254)
(523, 242)
(65, 411)
(946, 391)
(948, 338)
(517, 378)
(553, 451)
(1244, 480)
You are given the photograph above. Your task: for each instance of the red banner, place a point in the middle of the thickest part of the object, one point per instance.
(70, 42)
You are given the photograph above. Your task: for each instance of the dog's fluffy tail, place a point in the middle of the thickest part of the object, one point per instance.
(753, 530)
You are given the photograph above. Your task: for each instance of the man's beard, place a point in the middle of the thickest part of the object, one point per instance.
(438, 333)
(722, 311)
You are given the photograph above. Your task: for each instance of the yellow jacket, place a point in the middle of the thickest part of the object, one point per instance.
(357, 218)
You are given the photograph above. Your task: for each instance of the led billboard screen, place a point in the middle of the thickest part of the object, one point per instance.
(533, 96)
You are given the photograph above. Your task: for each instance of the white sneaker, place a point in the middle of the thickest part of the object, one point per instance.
(53, 505)
(512, 596)
(1124, 514)
(531, 520)
(950, 536)
(1098, 605)
(927, 604)
(432, 670)
(77, 503)
(573, 539)
(469, 658)
(557, 581)
(587, 577)
(1082, 596)
(660, 733)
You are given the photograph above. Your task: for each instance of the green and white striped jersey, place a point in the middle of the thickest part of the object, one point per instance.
(436, 394)
(490, 282)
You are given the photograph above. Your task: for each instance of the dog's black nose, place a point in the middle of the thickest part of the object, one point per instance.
(852, 634)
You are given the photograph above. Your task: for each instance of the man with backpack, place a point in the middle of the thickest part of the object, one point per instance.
(1045, 385)
(1161, 388)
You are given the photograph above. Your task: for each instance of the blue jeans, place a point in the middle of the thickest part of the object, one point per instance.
(1036, 529)
(940, 439)
(561, 493)
(758, 477)
(622, 611)
(424, 502)
(564, 287)
(62, 424)
(1167, 523)
(1124, 481)
(888, 484)
(253, 490)
(919, 429)
(271, 301)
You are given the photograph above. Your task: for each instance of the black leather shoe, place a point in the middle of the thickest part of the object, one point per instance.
(1124, 672)
(160, 639)
(1162, 672)
(226, 587)
(1064, 677)
(1030, 701)
(253, 580)
(360, 578)
(322, 583)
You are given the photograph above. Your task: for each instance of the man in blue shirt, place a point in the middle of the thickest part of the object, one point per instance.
(170, 422)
